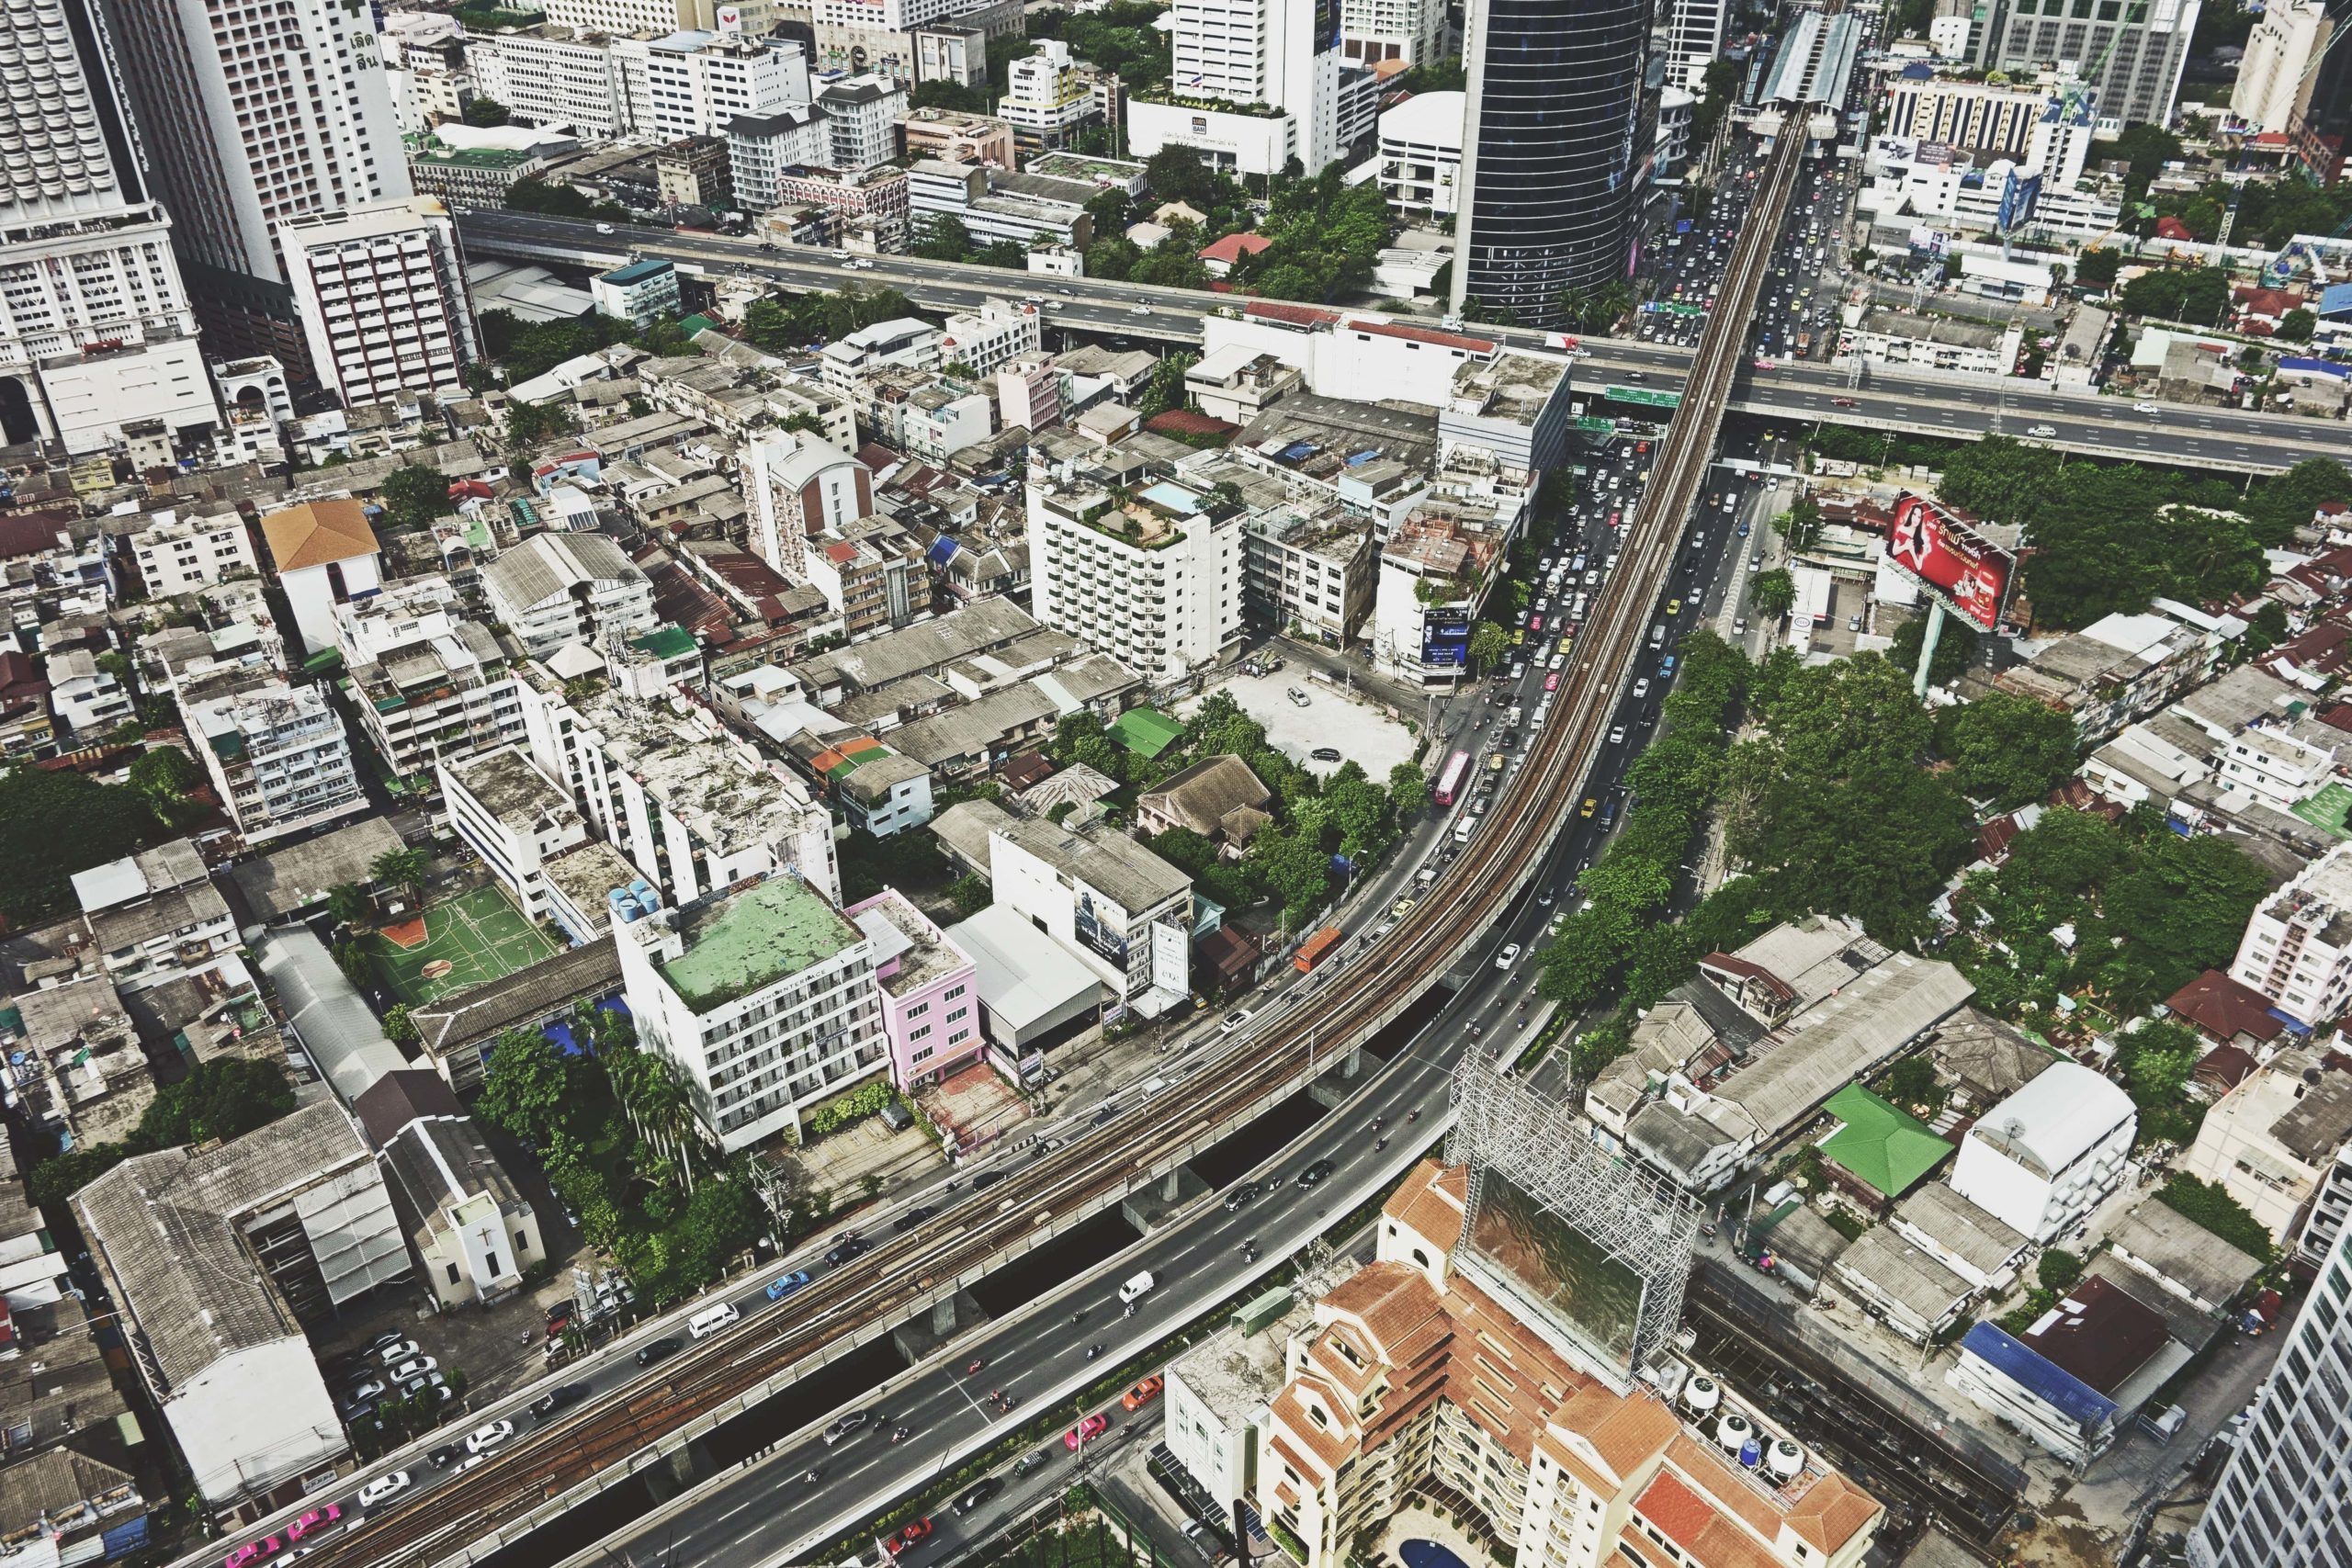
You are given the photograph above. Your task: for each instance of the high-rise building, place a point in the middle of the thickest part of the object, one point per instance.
(380, 291)
(2276, 79)
(2130, 56)
(1154, 580)
(96, 331)
(1554, 150)
(1694, 41)
(692, 84)
(1409, 30)
(2280, 1504)
(1258, 55)
(256, 111)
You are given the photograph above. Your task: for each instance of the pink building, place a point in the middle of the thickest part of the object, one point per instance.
(931, 994)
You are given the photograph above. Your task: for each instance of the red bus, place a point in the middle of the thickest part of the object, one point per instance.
(1449, 783)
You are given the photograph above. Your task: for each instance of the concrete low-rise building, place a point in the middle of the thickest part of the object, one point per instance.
(325, 554)
(930, 991)
(217, 1258)
(555, 589)
(276, 756)
(641, 292)
(430, 684)
(2043, 1158)
(2274, 1139)
(509, 814)
(2074, 1380)
(471, 1231)
(156, 916)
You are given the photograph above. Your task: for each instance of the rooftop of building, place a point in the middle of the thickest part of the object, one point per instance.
(317, 532)
(281, 880)
(479, 1013)
(638, 272)
(1104, 859)
(900, 934)
(166, 1225)
(2046, 1125)
(745, 939)
(1914, 1280)
(1985, 1242)
(514, 791)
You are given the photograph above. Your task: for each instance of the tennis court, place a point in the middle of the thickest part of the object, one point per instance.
(474, 937)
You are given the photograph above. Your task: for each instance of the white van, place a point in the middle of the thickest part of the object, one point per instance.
(1464, 829)
(710, 1319)
(1137, 1288)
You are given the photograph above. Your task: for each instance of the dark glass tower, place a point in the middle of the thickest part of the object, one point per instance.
(1554, 150)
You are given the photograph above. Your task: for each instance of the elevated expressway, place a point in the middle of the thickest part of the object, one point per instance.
(1929, 403)
(548, 1470)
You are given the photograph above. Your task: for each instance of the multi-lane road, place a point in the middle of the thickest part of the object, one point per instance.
(543, 1469)
(1961, 407)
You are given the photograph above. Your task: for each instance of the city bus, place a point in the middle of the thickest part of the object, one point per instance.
(1449, 783)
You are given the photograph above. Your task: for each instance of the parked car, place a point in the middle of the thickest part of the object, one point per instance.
(414, 1367)
(399, 1351)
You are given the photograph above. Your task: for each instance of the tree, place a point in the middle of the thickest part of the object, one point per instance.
(1913, 1082)
(1179, 172)
(1109, 210)
(1955, 648)
(1489, 645)
(1164, 388)
(2183, 908)
(2297, 325)
(485, 112)
(529, 423)
(2006, 750)
(945, 238)
(2209, 1203)
(1799, 525)
(942, 94)
(1295, 870)
(168, 779)
(969, 894)
(54, 824)
(2096, 269)
(526, 1088)
(412, 495)
(399, 1028)
(2058, 1270)
(1409, 791)
(348, 903)
(1576, 965)
(1773, 592)
(403, 868)
(1080, 737)
(2290, 501)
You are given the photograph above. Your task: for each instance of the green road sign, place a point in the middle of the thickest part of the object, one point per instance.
(1643, 396)
(1591, 426)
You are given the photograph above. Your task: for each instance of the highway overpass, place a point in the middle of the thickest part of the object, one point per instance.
(1927, 403)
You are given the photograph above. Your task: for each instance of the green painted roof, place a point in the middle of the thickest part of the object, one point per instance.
(2325, 809)
(743, 941)
(697, 324)
(1146, 730)
(665, 642)
(1888, 1148)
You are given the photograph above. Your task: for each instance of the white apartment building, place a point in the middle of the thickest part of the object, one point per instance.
(510, 815)
(2279, 1503)
(1123, 911)
(1155, 581)
(760, 147)
(382, 293)
(96, 326)
(1247, 52)
(1694, 41)
(1420, 154)
(1986, 116)
(2276, 79)
(1048, 95)
(2132, 58)
(568, 588)
(236, 147)
(2043, 1158)
(800, 488)
(276, 756)
(640, 292)
(2274, 1140)
(1374, 30)
(430, 684)
(87, 700)
(614, 19)
(999, 331)
(862, 120)
(763, 998)
(325, 554)
(2297, 949)
(693, 84)
(551, 80)
(693, 807)
(906, 343)
(182, 548)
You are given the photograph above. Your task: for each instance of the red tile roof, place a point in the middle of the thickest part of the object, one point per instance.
(1294, 315)
(1184, 421)
(1233, 247)
(2224, 1009)
(2173, 229)
(1421, 334)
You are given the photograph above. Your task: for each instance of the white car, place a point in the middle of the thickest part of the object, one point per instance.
(1617, 736)
(481, 1439)
(1234, 1021)
(415, 1367)
(1140, 310)
(1508, 956)
(384, 1488)
(395, 1354)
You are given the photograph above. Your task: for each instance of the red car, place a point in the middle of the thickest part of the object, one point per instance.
(1092, 1427)
(1535, 622)
(1616, 519)
(1843, 404)
(908, 1537)
(314, 1521)
(253, 1552)
(1552, 681)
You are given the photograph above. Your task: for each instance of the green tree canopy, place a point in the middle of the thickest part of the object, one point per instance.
(485, 112)
(2005, 749)
(412, 495)
(526, 1088)
(1955, 648)
(1774, 593)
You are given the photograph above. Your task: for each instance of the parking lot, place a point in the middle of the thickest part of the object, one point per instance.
(1351, 724)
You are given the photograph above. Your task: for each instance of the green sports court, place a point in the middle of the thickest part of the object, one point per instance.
(463, 941)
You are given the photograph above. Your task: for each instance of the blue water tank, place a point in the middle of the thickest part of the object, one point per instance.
(1750, 1454)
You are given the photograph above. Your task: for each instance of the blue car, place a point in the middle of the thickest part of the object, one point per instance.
(783, 1285)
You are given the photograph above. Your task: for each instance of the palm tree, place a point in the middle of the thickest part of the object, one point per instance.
(404, 869)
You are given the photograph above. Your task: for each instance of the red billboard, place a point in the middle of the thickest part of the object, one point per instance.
(1942, 552)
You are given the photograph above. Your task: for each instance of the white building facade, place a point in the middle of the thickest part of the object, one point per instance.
(2043, 1158)
(382, 293)
(278, 758)
(1158, 585)
(2297, 949)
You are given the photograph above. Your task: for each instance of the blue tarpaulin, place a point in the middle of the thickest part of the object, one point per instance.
(941, 551)
(2040, 1376)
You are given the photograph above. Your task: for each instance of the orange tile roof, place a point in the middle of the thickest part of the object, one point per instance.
(1831, 1512)
(1233, 247)
(1690, 1521)
(1431, 1204)
(316, 533)
(1389, 1299)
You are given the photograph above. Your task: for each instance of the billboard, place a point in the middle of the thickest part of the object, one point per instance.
(1951, 560)
(1445, 637)
(1597, 1299)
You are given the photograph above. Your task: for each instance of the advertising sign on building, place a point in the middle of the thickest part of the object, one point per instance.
(1942, 552)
